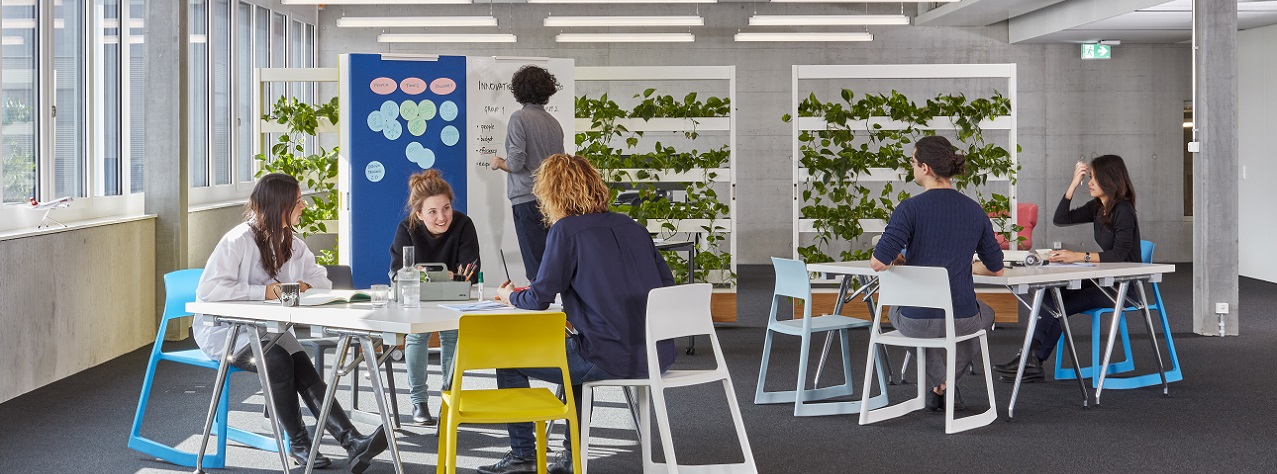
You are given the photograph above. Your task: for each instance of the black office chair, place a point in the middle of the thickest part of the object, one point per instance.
(341, 277)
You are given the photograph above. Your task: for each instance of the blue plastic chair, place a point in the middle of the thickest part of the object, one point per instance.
(179, 289)
(792, 281)
(1127, 365)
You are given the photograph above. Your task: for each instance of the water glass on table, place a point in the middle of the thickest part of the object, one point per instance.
(380, 295)
(289, 293)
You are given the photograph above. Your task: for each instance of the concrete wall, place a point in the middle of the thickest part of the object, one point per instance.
(206, 229)
(1069, 108)
(1256, 121)
(73, 300)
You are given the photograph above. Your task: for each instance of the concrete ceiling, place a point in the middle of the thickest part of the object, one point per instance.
(1080, 21)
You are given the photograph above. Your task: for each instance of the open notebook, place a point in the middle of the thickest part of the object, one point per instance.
(322, 297)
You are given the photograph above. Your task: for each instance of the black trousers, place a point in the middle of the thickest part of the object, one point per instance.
(1047, 333)
(529, 226)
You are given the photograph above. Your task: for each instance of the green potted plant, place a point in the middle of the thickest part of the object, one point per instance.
(317, 172)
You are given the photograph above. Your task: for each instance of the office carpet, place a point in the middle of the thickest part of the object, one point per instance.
(1214, 420)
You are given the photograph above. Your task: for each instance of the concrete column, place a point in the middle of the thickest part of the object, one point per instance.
(167, 177)
(1215, 258)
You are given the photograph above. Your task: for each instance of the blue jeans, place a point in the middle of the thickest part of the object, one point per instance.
(530, 227)
(417, 358)
(522, 435)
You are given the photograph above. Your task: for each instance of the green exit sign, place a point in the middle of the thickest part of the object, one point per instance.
(1097, 51)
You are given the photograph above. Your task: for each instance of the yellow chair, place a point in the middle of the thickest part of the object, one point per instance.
(507, 341)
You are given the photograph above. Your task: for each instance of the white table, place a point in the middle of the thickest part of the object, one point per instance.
(355, 322)
(1038, 280)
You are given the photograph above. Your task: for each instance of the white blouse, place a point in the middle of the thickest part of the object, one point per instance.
(234, 273)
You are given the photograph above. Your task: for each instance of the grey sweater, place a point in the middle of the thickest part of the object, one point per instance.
(533, 135)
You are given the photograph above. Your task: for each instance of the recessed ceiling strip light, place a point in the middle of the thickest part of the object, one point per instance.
(446, 38)
(568, 21)
(415, 21)
(621, 1)
(625, 38)
(376, 2)
(812, 36)
(824, 20)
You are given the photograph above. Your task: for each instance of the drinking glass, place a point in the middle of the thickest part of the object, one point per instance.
(380, 295)
(289, 293)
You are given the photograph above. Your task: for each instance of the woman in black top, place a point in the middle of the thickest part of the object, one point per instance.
(1117, 231)
(438, 234)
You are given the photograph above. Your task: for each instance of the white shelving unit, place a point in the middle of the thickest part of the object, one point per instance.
(900, 72)
(702, 124)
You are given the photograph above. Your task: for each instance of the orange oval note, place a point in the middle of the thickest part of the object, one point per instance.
(383, 86)
(413, 86)
(443, 86)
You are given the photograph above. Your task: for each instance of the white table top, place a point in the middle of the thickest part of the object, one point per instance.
(1022, 275)
(393, 318)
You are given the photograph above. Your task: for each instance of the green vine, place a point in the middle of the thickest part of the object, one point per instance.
(316, 172)
(635, 169)
(836, 161)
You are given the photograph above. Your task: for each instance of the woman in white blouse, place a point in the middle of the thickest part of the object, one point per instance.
(249, 264)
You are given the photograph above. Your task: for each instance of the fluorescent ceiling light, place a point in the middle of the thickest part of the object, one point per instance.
(855, 1)
(624, 21)
(812, 36)
(625, 38)
(621, 1)
(415, 21)
(827, 20)
(446, 38)
(376, 2)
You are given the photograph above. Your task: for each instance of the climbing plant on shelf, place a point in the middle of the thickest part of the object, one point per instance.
(855, 143)
(613, 149)
(315, 171)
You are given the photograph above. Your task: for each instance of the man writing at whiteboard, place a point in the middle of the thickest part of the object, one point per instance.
(533, 134)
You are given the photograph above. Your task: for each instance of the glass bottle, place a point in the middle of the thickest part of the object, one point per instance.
(409, 280)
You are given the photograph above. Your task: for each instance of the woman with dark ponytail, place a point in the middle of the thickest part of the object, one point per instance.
(249, 264)
(1111, 211)
(941, 228)
(438, 234)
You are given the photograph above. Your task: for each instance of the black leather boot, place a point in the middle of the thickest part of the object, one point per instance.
(290, 417)
(360, 449)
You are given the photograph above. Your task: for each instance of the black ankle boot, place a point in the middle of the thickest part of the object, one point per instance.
(359, 448)
(290, 418)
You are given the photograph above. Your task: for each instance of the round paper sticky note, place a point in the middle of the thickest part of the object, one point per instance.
(393, 130)
(408, 110)
(390, 110)
(416, 127)
(448, 110)
(376, 121)
(420, 155)
(426, 109)
(374, 171)
(449, 135)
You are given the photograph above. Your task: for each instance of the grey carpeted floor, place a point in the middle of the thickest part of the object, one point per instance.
(1214, 420)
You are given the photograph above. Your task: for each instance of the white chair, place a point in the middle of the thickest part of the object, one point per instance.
(672, 312)
(792, 281)
(924, 287)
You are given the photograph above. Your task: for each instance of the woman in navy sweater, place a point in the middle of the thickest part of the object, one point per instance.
(438, 234)
(941, 228)
(603, 264)
(1111, 211)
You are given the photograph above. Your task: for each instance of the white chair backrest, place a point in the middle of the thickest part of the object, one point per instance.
(916, 286)
(677, 311)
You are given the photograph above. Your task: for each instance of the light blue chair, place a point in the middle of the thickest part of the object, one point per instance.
(179, 289)
(792, 282)
(1127, 365)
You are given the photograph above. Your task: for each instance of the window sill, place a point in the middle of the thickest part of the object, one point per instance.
(71, 226)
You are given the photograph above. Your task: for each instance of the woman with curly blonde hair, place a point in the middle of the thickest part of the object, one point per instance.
(586, 248)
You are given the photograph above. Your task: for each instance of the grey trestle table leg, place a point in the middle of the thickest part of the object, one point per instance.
(1118, 309)
(365, 340)
(223, 368)
(867, 289)
(1035, 311)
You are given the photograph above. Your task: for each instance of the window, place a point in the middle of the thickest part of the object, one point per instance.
(108, 175)
(198, 118)
(244, 93)
(220, 48)
(137, 94)
(18, 159)
(69, 64)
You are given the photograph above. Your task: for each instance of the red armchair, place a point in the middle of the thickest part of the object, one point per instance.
(1027, 215)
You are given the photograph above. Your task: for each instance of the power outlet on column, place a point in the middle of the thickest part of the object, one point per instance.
(1221, 308)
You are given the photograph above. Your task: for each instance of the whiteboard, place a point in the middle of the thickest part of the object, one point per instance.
(489, 105)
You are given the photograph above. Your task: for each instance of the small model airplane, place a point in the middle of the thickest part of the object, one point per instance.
(48, 207)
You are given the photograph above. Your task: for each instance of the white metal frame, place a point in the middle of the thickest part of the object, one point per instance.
(728, 175)
(898, 71)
